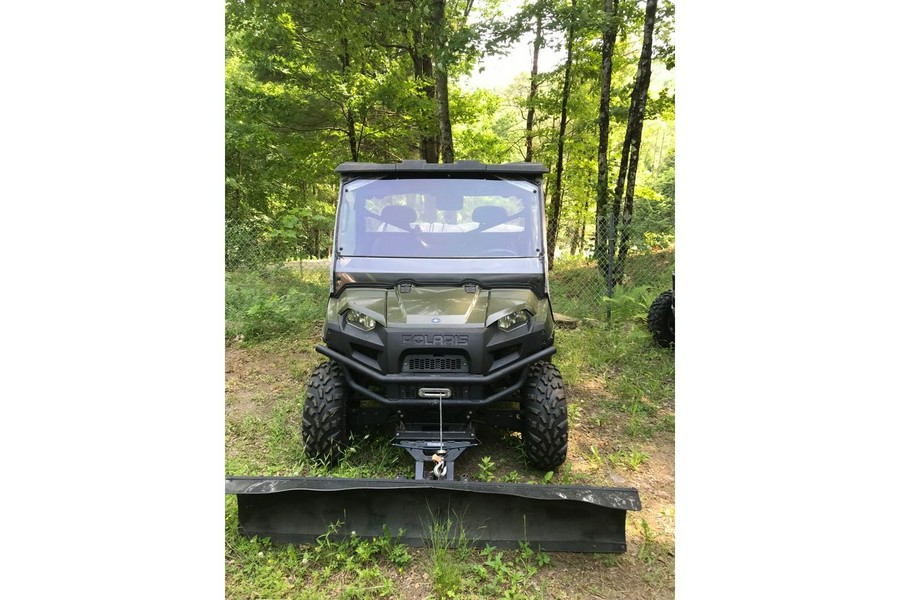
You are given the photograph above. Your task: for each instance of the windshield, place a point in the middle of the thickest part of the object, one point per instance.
(439, 218)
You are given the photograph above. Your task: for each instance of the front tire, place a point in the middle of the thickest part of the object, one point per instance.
(545, 423)
(325, 432)
(661, 319)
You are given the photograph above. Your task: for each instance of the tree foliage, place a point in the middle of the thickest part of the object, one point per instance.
(311, 84)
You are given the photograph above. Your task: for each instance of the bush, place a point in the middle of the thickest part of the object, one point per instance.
(630, 304)
(271, 302)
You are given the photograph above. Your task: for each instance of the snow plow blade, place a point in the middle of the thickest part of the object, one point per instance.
(564, 518)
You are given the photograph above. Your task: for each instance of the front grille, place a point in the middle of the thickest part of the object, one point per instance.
(435, 364)
(429, 363)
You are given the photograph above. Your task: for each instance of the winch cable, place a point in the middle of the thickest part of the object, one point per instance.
(440, 467)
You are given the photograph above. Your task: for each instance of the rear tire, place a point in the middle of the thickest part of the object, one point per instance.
(661, 319)
(324, 429)
(545, 424)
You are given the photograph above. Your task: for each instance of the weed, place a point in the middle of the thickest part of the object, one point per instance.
(355, 558)
(630, 303)
(632, 459)
(368, 455)
(324, 540)
(527, 555)
(647, 550)
(668, 423)
(370, 582)
(512, 477)
(285, 443)
(608, 560)
(486, 469)
(448, 546)
(635, 458)
(639, 421)
(574, 414)
(567, 474)
(256, 567)
(389, 546)
(509, 575)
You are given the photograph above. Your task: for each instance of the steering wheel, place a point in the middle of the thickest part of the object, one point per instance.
(499, 252)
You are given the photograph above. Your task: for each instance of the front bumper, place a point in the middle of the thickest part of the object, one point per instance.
(354, 368)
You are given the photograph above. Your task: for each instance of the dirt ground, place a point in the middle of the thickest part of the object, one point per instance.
(256, 375)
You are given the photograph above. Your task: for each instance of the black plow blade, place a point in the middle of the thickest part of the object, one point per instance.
(565, 518)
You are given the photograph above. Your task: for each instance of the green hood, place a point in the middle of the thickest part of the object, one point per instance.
(421, 306)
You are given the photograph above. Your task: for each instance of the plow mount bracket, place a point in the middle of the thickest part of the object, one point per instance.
(555, 517)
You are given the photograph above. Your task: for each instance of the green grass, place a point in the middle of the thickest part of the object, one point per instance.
(448, 550)
(266, 303)
(621, 392)
(639, 376)
(349, 568)
(509, 574)
(631, 459)
(458, 570)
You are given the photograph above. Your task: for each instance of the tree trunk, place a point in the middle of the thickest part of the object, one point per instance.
(556, 200)
(610, 29)
(443, 102)
(440, 79)
(430, 143)
(532, 92)
(351, 136)
(633, 142)
(348, 115)
(424, 73)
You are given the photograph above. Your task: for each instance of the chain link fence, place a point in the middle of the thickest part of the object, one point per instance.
(632, 266)
(269, 275)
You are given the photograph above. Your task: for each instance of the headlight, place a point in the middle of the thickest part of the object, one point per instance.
(360, 321)
(512, 321)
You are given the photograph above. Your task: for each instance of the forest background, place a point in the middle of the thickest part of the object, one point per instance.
(312, 84)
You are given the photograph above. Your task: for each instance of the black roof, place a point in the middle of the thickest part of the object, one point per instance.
(458, 167)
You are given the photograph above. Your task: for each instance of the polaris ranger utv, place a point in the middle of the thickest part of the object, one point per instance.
(438, 320)
(439, 312)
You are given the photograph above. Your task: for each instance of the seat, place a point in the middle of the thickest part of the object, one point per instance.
(488, 216)
(494, 235)
(399, 216)
(394, 237)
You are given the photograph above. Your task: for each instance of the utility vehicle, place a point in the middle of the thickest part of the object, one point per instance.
(439, 317)
(438, 320)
